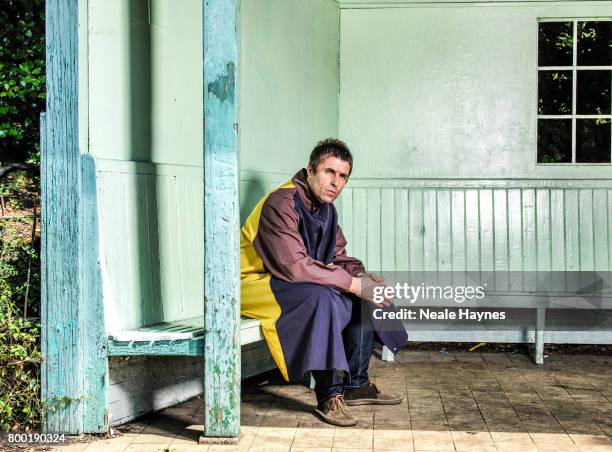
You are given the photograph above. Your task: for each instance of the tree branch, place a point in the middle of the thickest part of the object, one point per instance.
(11, 167)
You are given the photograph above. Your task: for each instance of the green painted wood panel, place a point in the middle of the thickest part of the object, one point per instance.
(529, 225)
(139, 213)
(484, 229)
(500, 237)
(387, 211)
(180, 347)
(221, 219)
(572, 244)
(416, 230)
(360, 223)
(346, 222)
(472, 226)
(585, 231)
(430, 235)
(93, 333)
(600, 229)
(373, 229)
(543, 235)
(487, 251)
(557, 236)
(515, 239)
(444, 230)
(151, 220)
(401, 214)
(458, 233)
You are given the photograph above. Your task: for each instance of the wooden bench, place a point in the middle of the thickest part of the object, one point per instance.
(186, 338)
(538, 302)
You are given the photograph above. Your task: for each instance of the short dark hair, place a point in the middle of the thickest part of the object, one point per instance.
(330, 147)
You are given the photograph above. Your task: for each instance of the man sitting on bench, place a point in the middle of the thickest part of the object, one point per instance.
(310, 297)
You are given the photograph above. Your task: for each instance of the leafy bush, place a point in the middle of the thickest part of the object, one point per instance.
(20, 407)
(19, 336)
(22, 99)
(22, 79)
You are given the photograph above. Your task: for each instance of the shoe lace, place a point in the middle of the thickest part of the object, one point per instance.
(337, 403)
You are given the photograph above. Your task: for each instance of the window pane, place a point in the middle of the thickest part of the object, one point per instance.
(594, 41)
(554, 141)
(554, 92)
(555, 44)
(593, 93)
(593, 140)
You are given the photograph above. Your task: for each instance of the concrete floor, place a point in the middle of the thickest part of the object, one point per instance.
(454, 402)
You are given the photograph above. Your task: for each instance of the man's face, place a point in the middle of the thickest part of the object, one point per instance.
(329, 179)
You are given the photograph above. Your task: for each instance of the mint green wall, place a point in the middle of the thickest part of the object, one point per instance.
(447, 90)
(438, 102)
(437, 92)
(145, 81)
(289, 88)
(151, 242)
(145, 127)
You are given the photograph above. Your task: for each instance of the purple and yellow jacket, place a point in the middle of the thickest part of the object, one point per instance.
(294, 276)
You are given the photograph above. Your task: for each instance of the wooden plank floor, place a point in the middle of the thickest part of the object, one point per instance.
(453, 401)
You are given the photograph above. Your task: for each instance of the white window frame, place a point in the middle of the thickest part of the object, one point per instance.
(574, 68)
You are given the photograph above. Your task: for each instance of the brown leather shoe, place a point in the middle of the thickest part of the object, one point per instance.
(369, 394)
(334, 411)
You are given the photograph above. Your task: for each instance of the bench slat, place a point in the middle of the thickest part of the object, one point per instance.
(182, 337)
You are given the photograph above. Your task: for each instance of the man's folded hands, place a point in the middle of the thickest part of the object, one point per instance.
(367, 285)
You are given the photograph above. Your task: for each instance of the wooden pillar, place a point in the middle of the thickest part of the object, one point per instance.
(538, 357)
(221, 222)
(93, 332)
(74, 376)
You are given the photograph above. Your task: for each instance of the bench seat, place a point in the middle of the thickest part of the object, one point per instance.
(179, 338)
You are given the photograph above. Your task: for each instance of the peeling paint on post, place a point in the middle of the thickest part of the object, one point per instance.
(62, 382)
(221, 222)
(93, 333)
(224, 86)
(74, 376)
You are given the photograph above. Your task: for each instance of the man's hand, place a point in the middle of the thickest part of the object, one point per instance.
(373, 276)
(370, 289)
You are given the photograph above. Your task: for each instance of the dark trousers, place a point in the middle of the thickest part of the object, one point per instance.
(358, 338)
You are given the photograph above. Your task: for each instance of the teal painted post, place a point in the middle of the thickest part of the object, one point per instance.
(74, 373)
(62, 382)
(221, 222)
(93, 333)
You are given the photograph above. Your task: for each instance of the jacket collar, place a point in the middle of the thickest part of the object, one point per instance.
(301, 184)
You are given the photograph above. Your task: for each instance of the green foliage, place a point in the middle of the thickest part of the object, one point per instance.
(20, 407)
(22, 99)
(555, 157)
(564, 40)
(22, 79)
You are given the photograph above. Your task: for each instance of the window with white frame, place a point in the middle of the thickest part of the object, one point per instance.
(574, 84)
